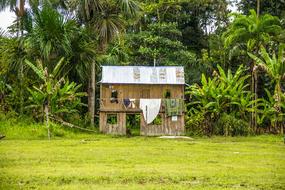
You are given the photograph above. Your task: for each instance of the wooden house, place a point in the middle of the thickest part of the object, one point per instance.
(124, 88)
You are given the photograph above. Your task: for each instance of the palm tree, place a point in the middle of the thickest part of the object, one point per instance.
(274, 67)
(51, 35)
(19, 8)
(249, 32)
(106, 20)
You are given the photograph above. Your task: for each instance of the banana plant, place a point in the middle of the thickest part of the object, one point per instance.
(245, 104)
(269, 111)
(224, 93)
(55, 95)
(274, 66)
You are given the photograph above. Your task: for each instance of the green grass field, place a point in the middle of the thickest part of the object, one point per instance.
(105, 162)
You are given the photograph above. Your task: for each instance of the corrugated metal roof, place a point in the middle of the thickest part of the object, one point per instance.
(143, 75)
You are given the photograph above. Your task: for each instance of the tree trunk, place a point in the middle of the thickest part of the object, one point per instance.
(21, 31)
(254, 91)
(22, 8)
(258, 8)
(278, 108)
(91, 94)
(255, 99)
(47, 120)
(21, 88)
(20, 34)
(154, 62)
(252, 106)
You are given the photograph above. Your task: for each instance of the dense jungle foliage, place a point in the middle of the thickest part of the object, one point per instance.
(234, 62)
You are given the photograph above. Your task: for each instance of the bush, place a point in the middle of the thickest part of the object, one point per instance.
(194, 124)
(221, 104)
(228, 125)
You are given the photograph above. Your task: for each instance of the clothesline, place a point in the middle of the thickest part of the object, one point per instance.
(150, 106)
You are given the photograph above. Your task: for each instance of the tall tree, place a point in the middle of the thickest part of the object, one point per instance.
(106, 20)
(249, 32)
(275, 68)
(19, 8)
(158, 44)
(196, 19)
(53, 36)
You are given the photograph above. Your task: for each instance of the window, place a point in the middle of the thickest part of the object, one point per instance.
(167, 94)
(114, 96)
(112, 119)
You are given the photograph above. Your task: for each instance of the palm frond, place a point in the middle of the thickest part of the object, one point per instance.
(37, 70)
(58, 67)
(129, 7)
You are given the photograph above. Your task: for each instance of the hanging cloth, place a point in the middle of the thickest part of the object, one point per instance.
(127, 102)
(150, 108)
(133, 103)
(173, 107)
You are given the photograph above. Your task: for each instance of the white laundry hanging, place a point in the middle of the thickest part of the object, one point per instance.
(150, 108)
(132, 103)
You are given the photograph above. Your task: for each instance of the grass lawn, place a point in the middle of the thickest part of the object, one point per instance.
(104, 162)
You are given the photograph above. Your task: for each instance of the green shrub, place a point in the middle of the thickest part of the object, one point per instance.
(228, 125)
(194, 124)
(222, 94)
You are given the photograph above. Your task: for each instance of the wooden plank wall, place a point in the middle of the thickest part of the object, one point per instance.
(168, 127)
(135, 91)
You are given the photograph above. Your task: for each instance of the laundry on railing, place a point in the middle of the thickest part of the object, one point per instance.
(133, 104)
(150, 108)
(114, 96)
(129, 103)
(173, 107)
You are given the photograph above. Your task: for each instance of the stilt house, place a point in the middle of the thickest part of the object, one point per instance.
(154, 94)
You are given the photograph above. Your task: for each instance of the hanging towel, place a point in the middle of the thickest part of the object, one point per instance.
(127, 102)
(150, 108)
(132, 105)
(173, 107)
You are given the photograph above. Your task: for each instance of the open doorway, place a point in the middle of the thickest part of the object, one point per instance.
(133, 124)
